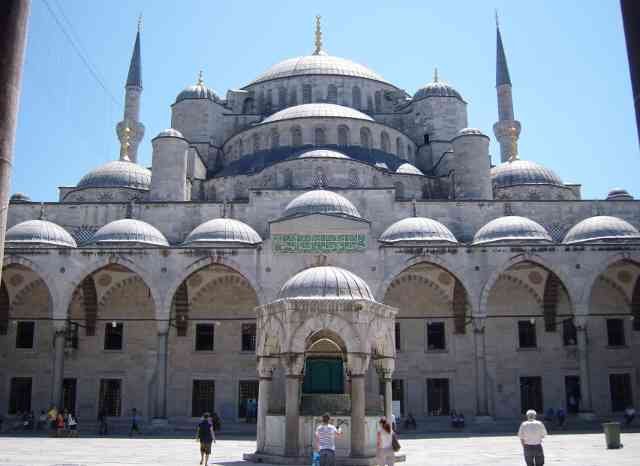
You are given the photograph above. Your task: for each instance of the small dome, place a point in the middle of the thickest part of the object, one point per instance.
(320, 201)
(38, 233)
(317, 111)
(117, 174)
(325, 283)
(321, 154)
(224, 231)
(170, 133)
(601, 228)
(320, 64)
(436, 89)
(511, 228)
(619, 194)
(19, 197)
(417, 230)
(408, 169)
(131, 231)
(382, 165)
(518, 172)
(198, 91)
(470, 131)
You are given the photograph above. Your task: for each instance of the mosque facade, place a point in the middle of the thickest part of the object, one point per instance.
(320, 231)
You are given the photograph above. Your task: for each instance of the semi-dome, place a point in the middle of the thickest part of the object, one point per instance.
(117, 174)
(320, 201)
(408, 169)
(321, 154)
(417, 230)
(619, 194)
(129, 231)
(317, 111)
(19, 197)
(38, 233)
(325, 283)
(224, 231)
(317, 64)
(511, 228)
(519, 172)
(601, 228)
(170, 133)
(436, 89)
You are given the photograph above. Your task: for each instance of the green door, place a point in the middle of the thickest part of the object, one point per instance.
(323, 376)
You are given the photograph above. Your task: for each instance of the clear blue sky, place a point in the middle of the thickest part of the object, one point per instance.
(567, 61)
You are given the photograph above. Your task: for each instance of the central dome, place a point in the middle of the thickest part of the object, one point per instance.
(320, 201)
(320, 64)
(317, 111)
(325, 283)
(117, 174)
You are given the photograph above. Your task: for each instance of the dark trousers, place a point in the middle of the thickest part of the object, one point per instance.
(533, 455)
(327, 457)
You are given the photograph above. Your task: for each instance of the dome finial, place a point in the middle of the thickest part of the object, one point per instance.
(318, 50)
(435, 74)
(200, 79)
(126, 143)
(514, 144)
(140, 23)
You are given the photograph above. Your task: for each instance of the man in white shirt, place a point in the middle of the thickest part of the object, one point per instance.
(531, 433)
(326, 441)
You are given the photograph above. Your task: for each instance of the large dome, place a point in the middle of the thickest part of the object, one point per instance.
(417, 230)
(38, 233)
(320, 64)
(520, 172)
(224, 231)
(317, 111)
(601, 228)
(117, 174)
(325, 283)
(511, 228)
(320, 201)
(129, 231)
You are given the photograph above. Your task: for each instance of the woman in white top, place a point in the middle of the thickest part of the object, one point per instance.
(384, 449)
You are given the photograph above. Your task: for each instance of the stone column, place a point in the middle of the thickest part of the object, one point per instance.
(59, 338)
(482, 399)
(161, 395)
(583, 363)
(358, 365)
(385, 368)
(293, 371)
(266, 367)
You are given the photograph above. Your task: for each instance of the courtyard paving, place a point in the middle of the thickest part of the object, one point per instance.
(565, 450)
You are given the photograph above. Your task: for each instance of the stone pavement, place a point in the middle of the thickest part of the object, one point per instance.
(565, 450)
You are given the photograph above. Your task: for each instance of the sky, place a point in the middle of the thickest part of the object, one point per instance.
(567, 60)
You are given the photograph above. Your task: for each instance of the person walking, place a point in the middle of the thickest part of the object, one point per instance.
(531, 433)
(326, 441)
(102, 421)
(134, 423)
(205, 436)
(384, 443)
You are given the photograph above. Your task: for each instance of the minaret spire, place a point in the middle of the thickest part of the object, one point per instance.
(130, 131)
(507, 128)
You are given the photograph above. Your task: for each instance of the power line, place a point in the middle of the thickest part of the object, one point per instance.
(79, 52)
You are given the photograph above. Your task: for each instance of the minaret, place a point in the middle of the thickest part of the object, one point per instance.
(130, 131)
(507, 128)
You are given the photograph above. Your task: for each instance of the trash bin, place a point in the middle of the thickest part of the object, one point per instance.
(612, 434)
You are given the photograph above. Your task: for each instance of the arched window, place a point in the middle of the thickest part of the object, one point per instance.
(282, 97)
(343, 135)
(319, 178)
(296, 136)
(354, 179)
(261, 101)
(369, 103)
(238, 190)
(268, 106)
(399, 148)
(306, 94)
(378, 97)
(409, 152)
(319, 137)
(384, 142)
(287, 178)
(332, 94)
(240, 147)
(365, 138)
(399, 190)
(275, 139)
(249, 105)
(356, 96)
(293, 97)
(256, 142)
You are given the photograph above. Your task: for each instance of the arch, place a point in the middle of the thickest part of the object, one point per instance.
(333, 323)
(306, 94)
(326, 334)
(399, 148)
(55, 310)
(319, 136)
(296, 136)
(599, 269)
(365, 137)
(385, 144)
(407, 276)
(332, 94)
(356, 97)
(343, 135)
(249, 106)
(521, 258)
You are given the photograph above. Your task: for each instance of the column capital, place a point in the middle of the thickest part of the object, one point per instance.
(479, 324)
(293, 364)
(385, 367)
(357, 363)
(266, 366)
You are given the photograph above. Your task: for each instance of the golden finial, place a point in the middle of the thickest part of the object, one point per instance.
(140, 23)
(514, 145)
(126, 144)
(318, 37)
(200, 79)
(435, 75)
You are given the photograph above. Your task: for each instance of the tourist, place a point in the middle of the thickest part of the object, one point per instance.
(384, 444)
(60, 424)
(215, 422)
(72, 425)
(562, 416)
(205, 436)
(102, 422)
(42, 420)
(410, 422)
(629, 415)
(53, 415)
(454, 419)
(134, 423)
(326, 441)
(531, 433)
(461, 421)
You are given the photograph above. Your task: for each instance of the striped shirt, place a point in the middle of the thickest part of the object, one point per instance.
(326, 435)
